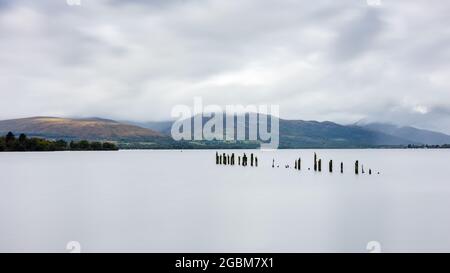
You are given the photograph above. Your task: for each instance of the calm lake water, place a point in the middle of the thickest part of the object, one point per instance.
(173, 201)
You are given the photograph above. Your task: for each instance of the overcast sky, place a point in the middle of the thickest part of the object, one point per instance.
(343, 61)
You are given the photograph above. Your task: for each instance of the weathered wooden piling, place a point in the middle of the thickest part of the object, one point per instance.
(299, 164)
(232, 159)
(315, 162)
(320, 165)
(357, 167)
(330, 166)
(256, 161)
(342, 167)
(220, 159)
(251, 159)
(295, 165)
(244, 160)
(217, 158)
(239, 160)
(370, 171)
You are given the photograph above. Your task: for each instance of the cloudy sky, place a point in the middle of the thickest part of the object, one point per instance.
(343, 61)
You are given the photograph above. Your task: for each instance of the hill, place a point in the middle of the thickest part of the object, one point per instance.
(313, 134)
(65, 128)
(414, 135)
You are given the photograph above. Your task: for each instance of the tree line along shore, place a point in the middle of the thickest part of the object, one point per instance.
(23, 143)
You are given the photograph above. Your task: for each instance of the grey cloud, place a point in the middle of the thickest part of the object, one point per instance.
(325, 60)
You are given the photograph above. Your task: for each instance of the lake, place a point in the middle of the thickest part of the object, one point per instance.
(181, 201)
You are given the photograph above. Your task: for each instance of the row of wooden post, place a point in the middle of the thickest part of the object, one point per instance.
(226, 159)
(318, 166)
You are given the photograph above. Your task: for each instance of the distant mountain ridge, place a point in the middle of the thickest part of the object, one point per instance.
(314, 134)
(410, 133)
(67, 128)
(156, 135)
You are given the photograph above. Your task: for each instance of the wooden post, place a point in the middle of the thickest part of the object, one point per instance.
(342, 167)
(273, 163)
(331, 166)
(217, 158)
(220, 159)
(224, 159)
(251, 160)
(232, 159)
(357, 167)
(299, 164)
(295, 165)
(239, 160)
(370, 171)
(256, 161)
(244, 160)
(320, 165)
(315, 162)
(363, 169)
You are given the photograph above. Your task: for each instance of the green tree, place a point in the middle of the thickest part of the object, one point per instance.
(96, 146)
(108, 146)
(84, 145)
(10, 137)
(2, 144)
(74, 145)
(61, 145)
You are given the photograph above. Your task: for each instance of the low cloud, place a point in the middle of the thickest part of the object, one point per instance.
(343, 61)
